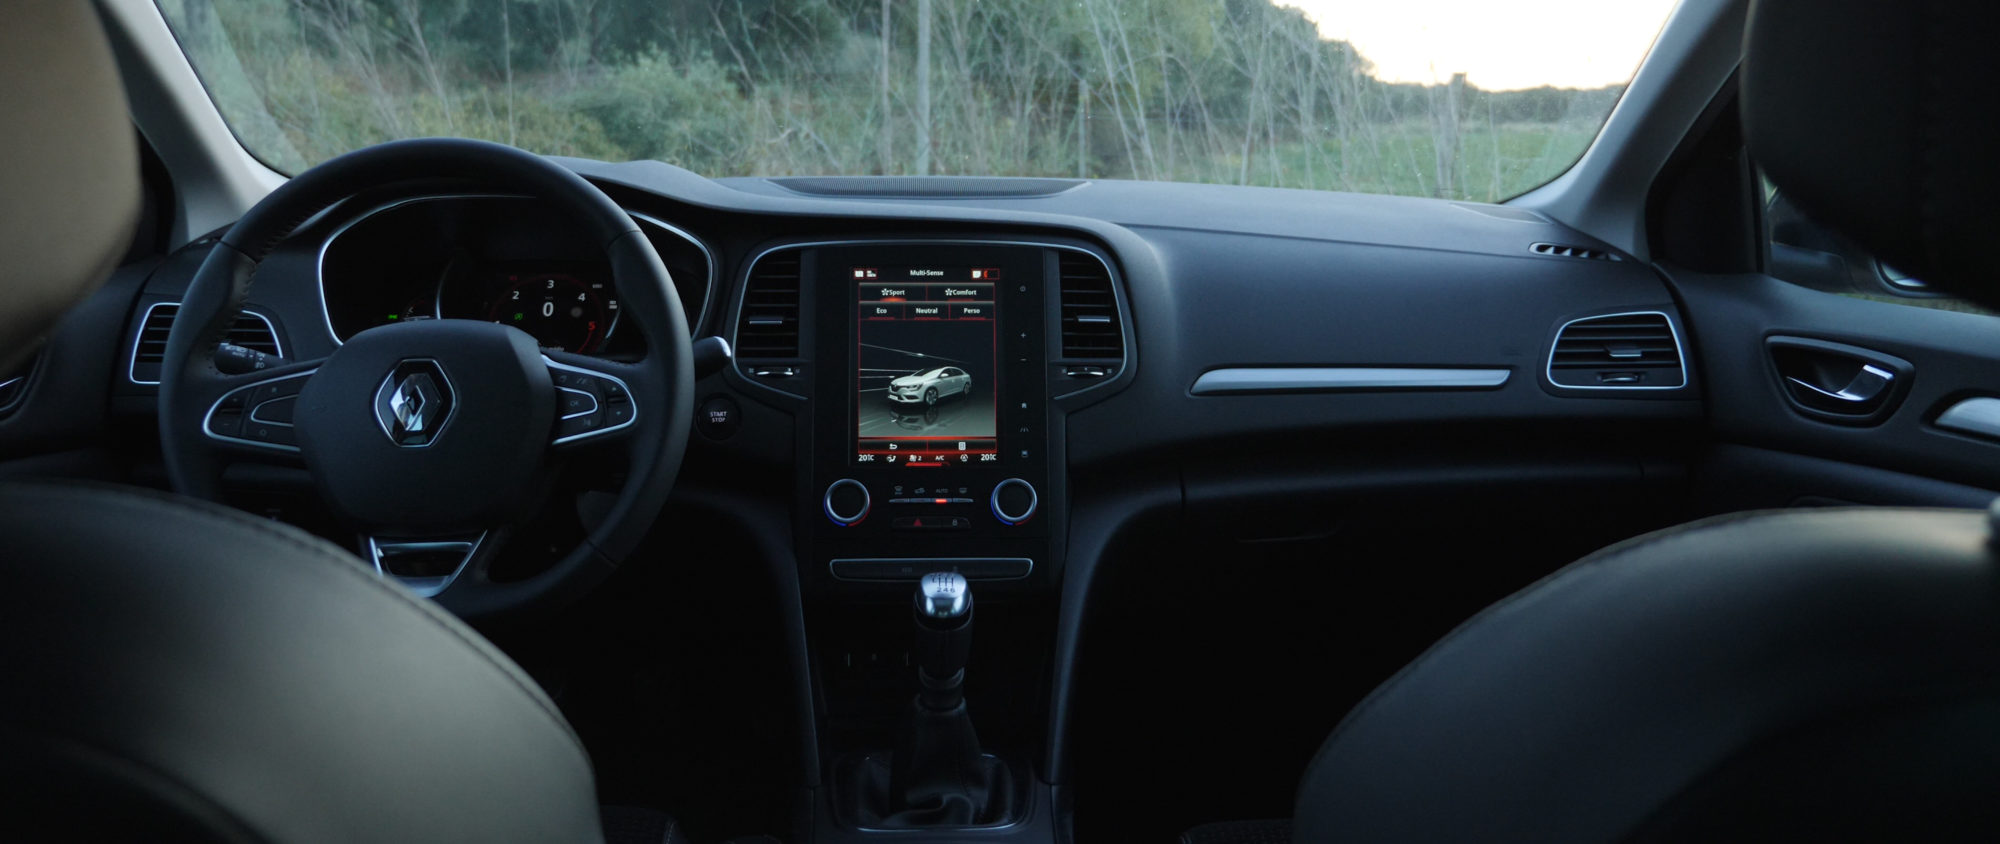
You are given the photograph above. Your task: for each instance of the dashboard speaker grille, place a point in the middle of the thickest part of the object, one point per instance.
(250, 330)
(1090, 325)
(1619, 351)
(768, 328)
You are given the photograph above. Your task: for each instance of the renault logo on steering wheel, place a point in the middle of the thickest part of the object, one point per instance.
(414, 403)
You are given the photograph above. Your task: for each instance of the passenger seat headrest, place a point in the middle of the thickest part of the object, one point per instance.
(69, 166)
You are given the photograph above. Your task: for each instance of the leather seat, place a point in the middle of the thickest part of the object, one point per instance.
(175, 670)
(1816, 675)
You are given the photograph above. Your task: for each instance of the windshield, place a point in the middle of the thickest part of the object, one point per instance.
(1463, 99)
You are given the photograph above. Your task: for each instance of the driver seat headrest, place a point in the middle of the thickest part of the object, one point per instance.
(70, 163)
(1882, 119)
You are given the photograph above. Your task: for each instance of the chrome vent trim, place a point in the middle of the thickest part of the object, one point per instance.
(251, 330)
(1600, 352)
(1091, 328)
(767, 324)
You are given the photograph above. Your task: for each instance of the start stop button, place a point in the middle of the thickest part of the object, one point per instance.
(718, 418)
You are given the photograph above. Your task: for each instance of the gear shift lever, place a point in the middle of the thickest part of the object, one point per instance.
(938, 776)
(944, 639)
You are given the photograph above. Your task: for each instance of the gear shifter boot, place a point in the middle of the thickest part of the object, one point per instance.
(939, 777)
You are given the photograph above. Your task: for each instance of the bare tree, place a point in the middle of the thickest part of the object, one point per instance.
(923, 87)
(884, 143)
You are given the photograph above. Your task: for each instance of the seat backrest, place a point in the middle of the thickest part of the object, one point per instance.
(69, 164)
(173, 670)
(1802, 675)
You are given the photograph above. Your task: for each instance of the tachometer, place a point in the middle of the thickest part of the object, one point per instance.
(559, 310)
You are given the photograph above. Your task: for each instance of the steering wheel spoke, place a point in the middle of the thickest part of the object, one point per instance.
(429, 565)
(594, 404)
(255, 414)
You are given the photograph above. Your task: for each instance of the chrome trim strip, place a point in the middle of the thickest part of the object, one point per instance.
(319, 261)
(1117, 294)
(826, 503)
(211, 434)
(1034, 502)
(1680, 350)
(18, 398)
(714, 269)
(138, 336)
(1977, 416)
(833, 566)
(1281, 379)
(425, 587)
(632, 397)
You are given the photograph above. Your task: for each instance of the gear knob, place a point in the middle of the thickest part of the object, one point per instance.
(943, 599)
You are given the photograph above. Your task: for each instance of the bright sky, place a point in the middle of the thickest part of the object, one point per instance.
(1500, 44)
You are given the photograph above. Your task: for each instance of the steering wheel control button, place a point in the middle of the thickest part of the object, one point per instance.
(226, 424)
(1015, 501)
(277, 411)
(846, 502)
(588, 403)
(718, 418)
(573, 403)
(260, 413)
(415, 403)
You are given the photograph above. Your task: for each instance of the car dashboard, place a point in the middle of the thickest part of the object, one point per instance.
(1015, 380)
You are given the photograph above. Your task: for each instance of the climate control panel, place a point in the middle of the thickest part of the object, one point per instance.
(848, 503)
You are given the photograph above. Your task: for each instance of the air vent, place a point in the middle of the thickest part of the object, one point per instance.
(1557, 250)
(1632, 351)
(250, 330)
(1090, 327)
(768, 328)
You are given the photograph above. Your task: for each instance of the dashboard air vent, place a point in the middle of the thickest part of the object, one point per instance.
(1558, 250)
(1632, 351)
(768, 328)
(1090, 327)
(250, 330)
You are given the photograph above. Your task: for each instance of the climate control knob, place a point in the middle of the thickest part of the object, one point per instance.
(1014, 501)
(846, 502)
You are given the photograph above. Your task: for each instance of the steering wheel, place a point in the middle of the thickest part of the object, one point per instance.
(432, 437)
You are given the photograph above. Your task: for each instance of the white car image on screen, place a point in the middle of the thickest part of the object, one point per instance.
(929, 386)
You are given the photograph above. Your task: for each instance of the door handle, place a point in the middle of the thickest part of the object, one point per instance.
(1868, 384)
(1835, 382)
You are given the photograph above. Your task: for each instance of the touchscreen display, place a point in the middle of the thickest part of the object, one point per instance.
(926, 340)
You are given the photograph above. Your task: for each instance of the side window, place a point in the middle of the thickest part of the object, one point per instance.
(1808, 254)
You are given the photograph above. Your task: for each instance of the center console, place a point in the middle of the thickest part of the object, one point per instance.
(931, 430)
(930, 384)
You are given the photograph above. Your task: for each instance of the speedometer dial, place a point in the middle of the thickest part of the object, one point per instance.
(559, 310)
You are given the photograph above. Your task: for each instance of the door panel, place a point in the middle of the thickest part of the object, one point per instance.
(1936, 357)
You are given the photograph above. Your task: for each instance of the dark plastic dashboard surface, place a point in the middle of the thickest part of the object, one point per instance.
(1206, 279)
